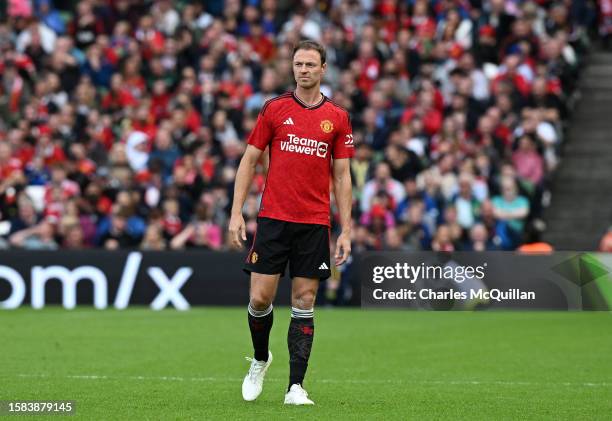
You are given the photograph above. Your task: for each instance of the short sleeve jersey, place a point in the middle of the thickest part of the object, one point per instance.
(303, 140)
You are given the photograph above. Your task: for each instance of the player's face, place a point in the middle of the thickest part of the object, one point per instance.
(307, 68)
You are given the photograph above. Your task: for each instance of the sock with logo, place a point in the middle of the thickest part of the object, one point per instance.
(299, 341)
(260, 324)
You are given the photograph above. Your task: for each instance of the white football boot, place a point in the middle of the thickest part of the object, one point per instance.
(297, 396)
(253, 382)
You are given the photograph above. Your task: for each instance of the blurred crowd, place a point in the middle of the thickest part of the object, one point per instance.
(122, 122)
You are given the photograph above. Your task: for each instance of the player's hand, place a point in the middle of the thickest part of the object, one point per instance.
(343, 248)
(237, 231)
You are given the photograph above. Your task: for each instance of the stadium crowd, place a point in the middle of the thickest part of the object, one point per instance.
(122, 122)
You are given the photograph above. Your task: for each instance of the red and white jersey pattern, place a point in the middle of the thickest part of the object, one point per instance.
(303, 141)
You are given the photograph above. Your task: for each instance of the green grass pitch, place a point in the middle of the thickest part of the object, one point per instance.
(140, 364)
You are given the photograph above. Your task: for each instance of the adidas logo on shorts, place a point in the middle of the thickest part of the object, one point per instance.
(323, 266)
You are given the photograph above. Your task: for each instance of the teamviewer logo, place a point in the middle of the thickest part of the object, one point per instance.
(304, 146)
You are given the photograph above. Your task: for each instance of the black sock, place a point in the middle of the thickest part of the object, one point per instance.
(260, 324)
(299, 341)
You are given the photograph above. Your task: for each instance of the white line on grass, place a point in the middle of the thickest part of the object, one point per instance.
(349, 381)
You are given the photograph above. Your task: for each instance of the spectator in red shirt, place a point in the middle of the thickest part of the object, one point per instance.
(200, 80)
(119, 96)
(368, 67)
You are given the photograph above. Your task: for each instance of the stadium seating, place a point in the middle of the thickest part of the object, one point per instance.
(122, 123)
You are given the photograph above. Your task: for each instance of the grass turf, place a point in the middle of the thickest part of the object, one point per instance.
(140, 364)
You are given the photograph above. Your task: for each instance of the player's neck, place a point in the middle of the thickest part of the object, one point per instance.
(309, 96)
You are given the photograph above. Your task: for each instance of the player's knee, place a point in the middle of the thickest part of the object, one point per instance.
(304, 299)
(260, 301)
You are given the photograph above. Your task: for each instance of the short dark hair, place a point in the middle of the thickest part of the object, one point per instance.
(310, 45)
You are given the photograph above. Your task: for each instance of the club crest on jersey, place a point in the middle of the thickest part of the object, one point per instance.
(254, 257)
(327, 126)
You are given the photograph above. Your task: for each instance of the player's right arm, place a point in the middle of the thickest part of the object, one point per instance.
(244, 178)
(258, 141)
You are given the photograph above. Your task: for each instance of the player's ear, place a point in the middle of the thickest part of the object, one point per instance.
(323, 67)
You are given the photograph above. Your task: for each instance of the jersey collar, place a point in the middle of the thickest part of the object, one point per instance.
(309, 107)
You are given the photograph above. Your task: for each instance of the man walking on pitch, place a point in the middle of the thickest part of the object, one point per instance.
(309, 139)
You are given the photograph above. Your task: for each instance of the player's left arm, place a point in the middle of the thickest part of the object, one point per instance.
(343, 191)
(343, 150)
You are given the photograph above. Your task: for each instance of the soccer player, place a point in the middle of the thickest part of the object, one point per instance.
(309, 139)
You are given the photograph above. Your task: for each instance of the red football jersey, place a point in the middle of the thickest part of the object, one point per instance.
(303, 140)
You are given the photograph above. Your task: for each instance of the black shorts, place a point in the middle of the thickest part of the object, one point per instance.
(304, 246)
